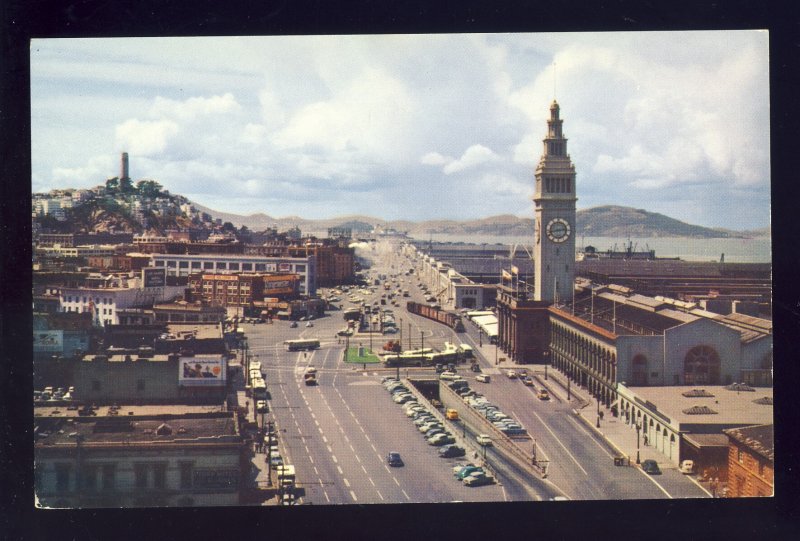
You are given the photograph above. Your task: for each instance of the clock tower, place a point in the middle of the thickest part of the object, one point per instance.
(554, 206)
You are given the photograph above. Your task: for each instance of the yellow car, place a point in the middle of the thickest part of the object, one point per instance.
(542, 394)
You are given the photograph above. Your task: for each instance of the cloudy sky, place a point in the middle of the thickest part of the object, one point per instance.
(412, 126)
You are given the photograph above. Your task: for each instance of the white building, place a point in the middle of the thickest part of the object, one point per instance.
(117, 294)
(186, 264)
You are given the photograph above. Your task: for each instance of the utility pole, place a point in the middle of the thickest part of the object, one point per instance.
(569, 382)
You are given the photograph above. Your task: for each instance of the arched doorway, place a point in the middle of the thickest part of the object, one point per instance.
(701, 366)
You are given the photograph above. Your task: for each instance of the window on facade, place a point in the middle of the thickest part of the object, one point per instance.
(159, 475)
(208, 265)
(183, 264)
(233, 266)
(300, 268)
(140, 475)
(62, 477)
(701, 366)
(739, 456)
(261, 267)
(247, 266)
(89, 478)
(159, 263)
(761, 469)
(186, 474)
(222, 265)
(171, 264)
(109, 476)
(195, 264)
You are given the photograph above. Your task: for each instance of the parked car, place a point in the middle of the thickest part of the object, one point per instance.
(441, 439)
(477, 479)
(293, 325)
(483, 378)
(484, 439)
(687, 466)
(261, 406)
(452, 451)
(394, 459)
(309, 324)
(460, 466)
(511, 374)
(467, 470)
(651, 467)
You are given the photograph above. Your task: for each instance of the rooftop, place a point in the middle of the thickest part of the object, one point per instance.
(760, 439)
(731, 407)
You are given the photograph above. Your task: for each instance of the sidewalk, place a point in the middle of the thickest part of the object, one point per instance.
(620, 436)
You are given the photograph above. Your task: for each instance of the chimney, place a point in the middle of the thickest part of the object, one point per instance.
(123, 174)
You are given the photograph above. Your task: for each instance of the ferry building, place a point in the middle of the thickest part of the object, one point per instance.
(601, 336)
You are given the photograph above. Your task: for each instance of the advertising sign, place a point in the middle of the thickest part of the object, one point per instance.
(284, 267)
(201, 371)
(50, 341)
(154, 277)
(269, 267)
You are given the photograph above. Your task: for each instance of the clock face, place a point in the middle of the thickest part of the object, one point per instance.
(558, 230)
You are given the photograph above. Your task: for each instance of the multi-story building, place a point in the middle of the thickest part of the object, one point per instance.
(751, 461)
(188, 312)
(186, 264)
(242, 289)
(135, 457)
(104, 299)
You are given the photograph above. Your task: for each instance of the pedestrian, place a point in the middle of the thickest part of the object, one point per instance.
(645, 439)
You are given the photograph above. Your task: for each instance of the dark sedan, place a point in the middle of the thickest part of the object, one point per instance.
(393, 459)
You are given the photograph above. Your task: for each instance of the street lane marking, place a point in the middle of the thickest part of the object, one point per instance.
(351, 448)
(655, 483)
(324, 439)
(329, 449)
(561, 444)
(396, 482)
(404, 494)
(379, 494)
(363, 468)
(583, 428)
(346, 438)
(334, 459)
(317, 472)
(310, 458)
(326, 494)
(359, 460)
(316, 422)
(367, 437)
(346, 482)
(340, 470)
(373, 447)
(371, 481)
(313, 416)
(320, 430)
(387, 468)
(353, 494)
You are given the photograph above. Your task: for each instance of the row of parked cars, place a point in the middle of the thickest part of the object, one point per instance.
(479, 403)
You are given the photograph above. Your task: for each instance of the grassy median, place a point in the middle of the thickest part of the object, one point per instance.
(352, 356)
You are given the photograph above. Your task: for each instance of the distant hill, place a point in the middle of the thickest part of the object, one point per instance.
(603, 221)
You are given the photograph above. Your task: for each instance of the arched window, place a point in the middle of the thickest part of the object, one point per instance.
(639, 370)
(701, 366)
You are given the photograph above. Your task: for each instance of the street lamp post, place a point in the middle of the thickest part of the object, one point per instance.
(638, 428)
(480, 337)
(598, 412)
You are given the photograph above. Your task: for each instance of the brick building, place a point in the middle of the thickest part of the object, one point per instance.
(242, 289)
(751, 461)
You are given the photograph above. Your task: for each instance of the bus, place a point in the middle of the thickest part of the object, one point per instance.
(259, 389)
(299, 345)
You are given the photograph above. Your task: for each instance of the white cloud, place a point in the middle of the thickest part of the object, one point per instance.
(472, 157)
(434, 158)
(192, 108)
(145, 137)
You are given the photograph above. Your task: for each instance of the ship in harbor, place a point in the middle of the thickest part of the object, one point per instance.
(629, 252)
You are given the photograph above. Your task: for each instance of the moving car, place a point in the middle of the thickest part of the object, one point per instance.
(484, 439)
(483, 378)
(451, 414)
(651, 467)
(309, 324)
(511, 374)
(527, 381)
(394, 460)
(467, 470)
(542, 394)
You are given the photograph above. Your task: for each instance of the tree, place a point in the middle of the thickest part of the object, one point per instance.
(228, 227)
(148, 188)
(112, 184)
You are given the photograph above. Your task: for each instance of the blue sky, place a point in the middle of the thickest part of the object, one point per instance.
(412, 126)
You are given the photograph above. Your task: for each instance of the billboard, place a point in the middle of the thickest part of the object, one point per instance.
(280, 284)
(48, 341)
(284, 267)
(154, 277)
(201, 371)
